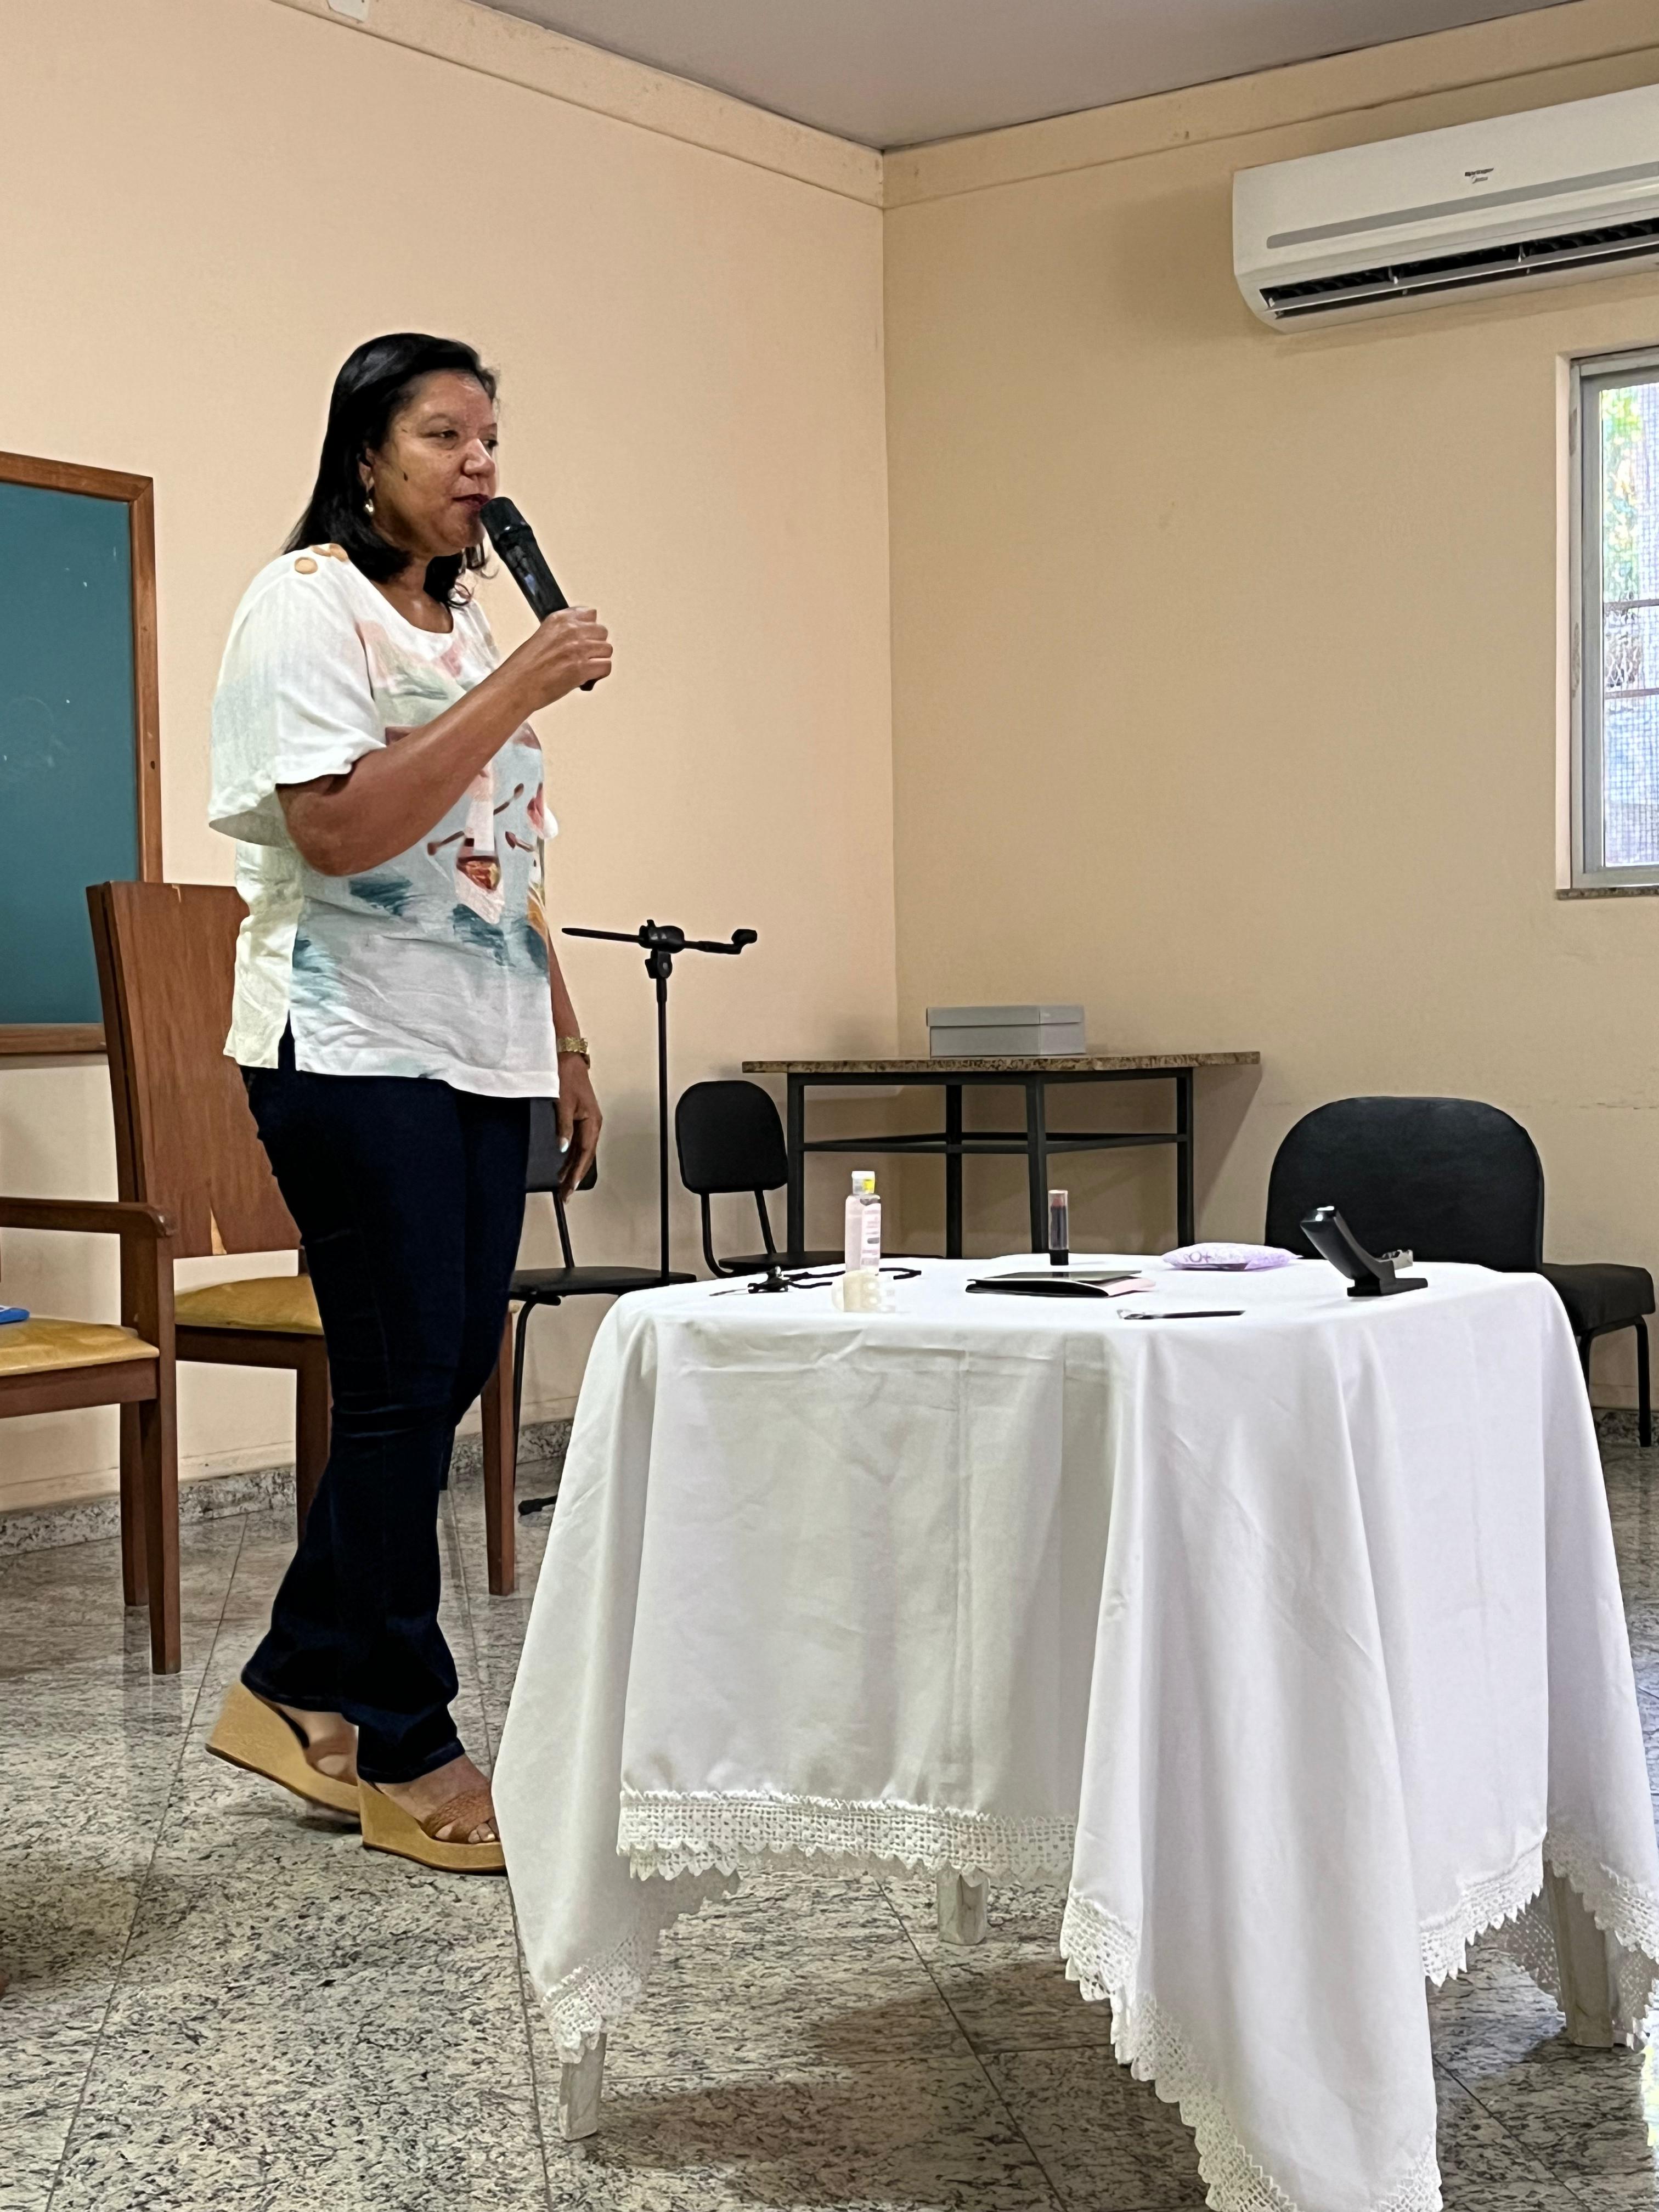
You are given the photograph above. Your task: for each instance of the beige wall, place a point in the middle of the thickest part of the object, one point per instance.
(210, 203)
(1226, 662)
(1223, 685)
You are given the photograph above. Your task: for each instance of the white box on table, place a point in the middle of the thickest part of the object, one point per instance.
(1004, 1032)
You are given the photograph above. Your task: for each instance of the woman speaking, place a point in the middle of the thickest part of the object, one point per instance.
(397, 1005)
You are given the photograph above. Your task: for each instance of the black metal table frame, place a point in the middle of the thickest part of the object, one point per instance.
(1037, 1141)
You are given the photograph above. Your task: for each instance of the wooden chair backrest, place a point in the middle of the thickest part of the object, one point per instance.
(185, 1140)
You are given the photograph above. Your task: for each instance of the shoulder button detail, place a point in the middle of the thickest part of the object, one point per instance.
(305, 566)
(336, 552)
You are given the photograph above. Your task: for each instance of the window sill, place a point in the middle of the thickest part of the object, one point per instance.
(1609, 891)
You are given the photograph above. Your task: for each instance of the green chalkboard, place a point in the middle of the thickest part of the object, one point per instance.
(70, 734)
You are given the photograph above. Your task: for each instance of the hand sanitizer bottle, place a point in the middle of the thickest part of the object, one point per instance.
(860, 1285)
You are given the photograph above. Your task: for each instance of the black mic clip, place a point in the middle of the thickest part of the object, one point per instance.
(1368, 1275)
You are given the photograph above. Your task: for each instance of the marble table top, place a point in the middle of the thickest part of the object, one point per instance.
(1070, 1063)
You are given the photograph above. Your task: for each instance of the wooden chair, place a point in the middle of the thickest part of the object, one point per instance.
(48, 1366)
(186, 1141)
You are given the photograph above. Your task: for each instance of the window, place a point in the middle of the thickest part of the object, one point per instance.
(1615, 635)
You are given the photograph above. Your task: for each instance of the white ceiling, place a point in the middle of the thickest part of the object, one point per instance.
(900, 72)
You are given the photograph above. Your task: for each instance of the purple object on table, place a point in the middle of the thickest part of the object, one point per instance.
(1229, 1259)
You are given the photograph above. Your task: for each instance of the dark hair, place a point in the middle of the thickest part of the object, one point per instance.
(375, 382)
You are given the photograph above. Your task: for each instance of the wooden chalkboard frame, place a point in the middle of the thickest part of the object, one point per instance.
(44, 1039)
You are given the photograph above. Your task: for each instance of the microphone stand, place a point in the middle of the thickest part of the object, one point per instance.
(663, 945)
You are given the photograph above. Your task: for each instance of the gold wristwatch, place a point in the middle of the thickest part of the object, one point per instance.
(578, 1045)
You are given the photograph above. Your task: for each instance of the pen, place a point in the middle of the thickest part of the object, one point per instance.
(1192, 1313)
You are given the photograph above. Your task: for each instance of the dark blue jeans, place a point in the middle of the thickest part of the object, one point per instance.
(409, 1198)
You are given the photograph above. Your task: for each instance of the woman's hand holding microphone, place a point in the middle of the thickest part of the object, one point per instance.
(570, 648)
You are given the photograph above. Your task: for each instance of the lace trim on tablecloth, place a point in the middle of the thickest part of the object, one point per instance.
(1101, 1957)
(666, 1832)
(598, 1996)
(1619, 1909)
(1482, 1904)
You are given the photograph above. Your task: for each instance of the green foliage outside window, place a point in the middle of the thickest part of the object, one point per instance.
(1623, 438)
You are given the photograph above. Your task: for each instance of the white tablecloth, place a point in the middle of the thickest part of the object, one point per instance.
(1289, 1646)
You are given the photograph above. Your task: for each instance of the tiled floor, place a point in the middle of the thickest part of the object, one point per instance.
(219, 2005)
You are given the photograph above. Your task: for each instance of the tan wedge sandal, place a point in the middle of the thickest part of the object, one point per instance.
(388, 1828)
(257, 1737)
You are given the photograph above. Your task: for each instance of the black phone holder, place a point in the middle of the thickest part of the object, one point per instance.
(1368, 1277)
(662, 944)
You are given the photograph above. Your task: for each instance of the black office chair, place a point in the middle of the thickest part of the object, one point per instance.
(1448, 1179)
(730, 1139)
(550, 1286)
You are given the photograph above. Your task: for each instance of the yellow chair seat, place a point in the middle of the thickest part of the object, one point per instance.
(38, 1346)
(285, 1302)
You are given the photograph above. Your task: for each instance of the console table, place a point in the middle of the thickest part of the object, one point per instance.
(1034, 1076)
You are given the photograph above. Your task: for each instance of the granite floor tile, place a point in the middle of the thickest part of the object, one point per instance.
(791, 1974)
(242, 1862)
(1010, 1992)
(64, 1928)
(1616, 2192)
(86, 1787)
(1491, 2017)
(41, 2079)
(64, 1607)
(1483, 2169)
(1108, 2143)
(262, 1560)
(497, 1624)
(28, 2173)
(247, 1882)
(74, 1794)
(1108, 2140)
(299, 2021)
(336, 2145)
(90, 1745)
(115, 1693)
(906, 2136)
(1460, 2193)
(220, 2000)
(471, 1617)
(1584, 2114)
(370, 2025)
(496, 1644)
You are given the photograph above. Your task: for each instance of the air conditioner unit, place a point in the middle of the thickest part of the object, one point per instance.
(1539, 199)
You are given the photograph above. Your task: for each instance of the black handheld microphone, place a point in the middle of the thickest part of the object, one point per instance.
(516, 541)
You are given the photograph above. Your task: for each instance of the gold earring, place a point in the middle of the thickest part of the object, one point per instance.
(369, 502)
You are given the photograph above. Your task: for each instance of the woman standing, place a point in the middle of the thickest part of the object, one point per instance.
(397, 1005)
